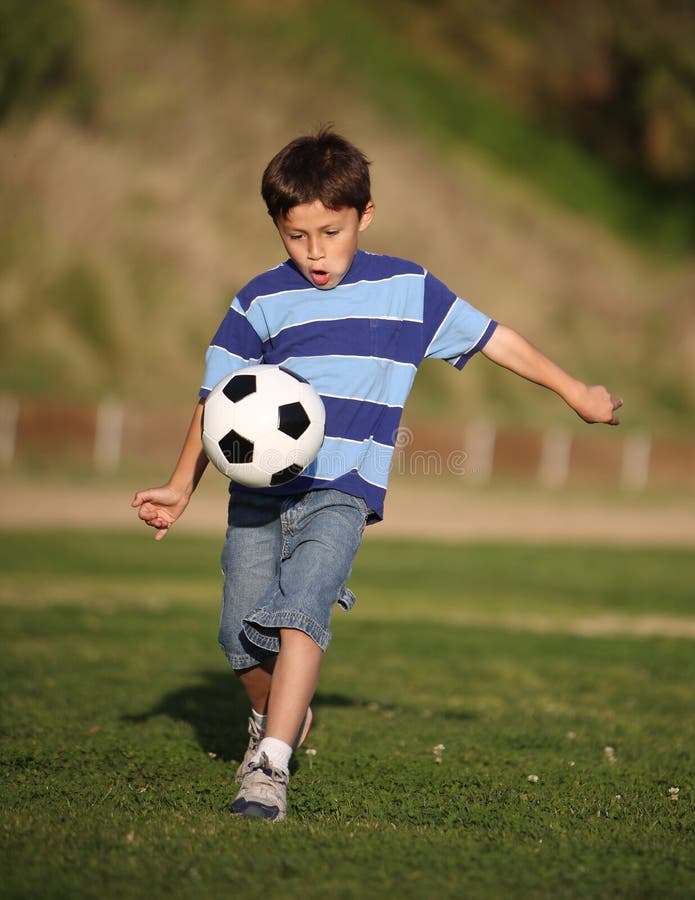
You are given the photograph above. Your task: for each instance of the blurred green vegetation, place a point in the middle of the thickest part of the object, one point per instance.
(600, 157)
(627, 164)
(617, 76)
(593, 103)
(41, 57)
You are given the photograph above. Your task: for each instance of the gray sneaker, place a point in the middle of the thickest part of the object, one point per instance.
(255, 737)
(256, 734)
(263, 792)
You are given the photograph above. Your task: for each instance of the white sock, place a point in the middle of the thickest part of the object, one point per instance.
(258, 719)
(278, 752)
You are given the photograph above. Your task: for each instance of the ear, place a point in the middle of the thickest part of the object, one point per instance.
(367, 216)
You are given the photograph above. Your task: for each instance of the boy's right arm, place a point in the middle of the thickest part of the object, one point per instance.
(160, 507)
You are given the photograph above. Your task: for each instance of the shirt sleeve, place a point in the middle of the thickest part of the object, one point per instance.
(453, 330)
(235, 344)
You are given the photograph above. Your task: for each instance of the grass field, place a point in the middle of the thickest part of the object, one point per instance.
(561, 752)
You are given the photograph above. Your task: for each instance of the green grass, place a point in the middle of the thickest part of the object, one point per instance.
(121, 726)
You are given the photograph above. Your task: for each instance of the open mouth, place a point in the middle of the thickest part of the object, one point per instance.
(319, 277)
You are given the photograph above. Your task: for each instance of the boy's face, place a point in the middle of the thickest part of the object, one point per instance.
(322, 242)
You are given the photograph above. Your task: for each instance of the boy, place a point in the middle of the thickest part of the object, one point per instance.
(356, 325)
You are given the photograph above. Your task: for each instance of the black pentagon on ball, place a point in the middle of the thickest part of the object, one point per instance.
(239, 386)
(236, 448)
(293, 420)
(285, 475)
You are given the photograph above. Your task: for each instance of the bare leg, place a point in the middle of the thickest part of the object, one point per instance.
(294, 681)
(256, 682)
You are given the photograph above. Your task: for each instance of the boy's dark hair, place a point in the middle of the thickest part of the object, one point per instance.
(324, 167)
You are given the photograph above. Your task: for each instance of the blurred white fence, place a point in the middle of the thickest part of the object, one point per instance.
(107, 436)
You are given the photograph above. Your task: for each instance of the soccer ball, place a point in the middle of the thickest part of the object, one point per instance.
(262, 425)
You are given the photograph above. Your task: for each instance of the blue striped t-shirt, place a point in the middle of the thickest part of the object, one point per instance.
(359, 345)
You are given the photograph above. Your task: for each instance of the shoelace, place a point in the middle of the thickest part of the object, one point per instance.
(275, 773)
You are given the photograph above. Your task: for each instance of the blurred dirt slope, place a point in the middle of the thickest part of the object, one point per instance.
(419, 509)
(126, 239)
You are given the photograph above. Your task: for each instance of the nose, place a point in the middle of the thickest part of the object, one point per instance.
(315, 249)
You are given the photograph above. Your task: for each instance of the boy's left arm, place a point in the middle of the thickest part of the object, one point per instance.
(593, 403)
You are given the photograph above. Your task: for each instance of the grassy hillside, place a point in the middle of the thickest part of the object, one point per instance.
(128, 234)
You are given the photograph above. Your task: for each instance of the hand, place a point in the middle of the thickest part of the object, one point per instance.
(595, 404)
(160, 508)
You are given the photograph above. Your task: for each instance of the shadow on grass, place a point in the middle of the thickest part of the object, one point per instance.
(215, 706)
(217, 710)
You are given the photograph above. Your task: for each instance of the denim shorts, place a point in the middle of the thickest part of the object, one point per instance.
(286, 561)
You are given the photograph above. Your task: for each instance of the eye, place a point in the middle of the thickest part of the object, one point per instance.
(332, 232)
(295, 237)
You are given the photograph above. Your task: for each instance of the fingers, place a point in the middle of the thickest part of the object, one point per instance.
(616, 403)
(156, 495)
(161, 523)
(597, 405)
(142, 497)
(147, 512)
(154, 516)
